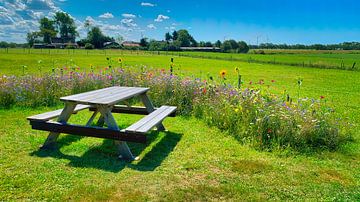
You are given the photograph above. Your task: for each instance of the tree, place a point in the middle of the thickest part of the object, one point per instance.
(193, 42)
(31, 38)
(168, 37)
(144, 42)
(243, 47)
(229, 46)
(65, 25)
(174, 35)
(119, 39)
(47, 29)
(185, 38)
(97, 38)
(87, 25)
(208, 44)
(157, 45)
(218, 43)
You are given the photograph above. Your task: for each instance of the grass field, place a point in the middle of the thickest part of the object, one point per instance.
(328, 60)
(198, 164)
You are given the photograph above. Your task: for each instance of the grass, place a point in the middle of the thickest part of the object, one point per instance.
(339, 87)
(198, 164)
(328, 60)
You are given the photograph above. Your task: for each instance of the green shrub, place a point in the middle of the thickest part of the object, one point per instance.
(89, 46)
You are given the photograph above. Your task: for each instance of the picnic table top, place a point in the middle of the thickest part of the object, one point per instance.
(105, 96)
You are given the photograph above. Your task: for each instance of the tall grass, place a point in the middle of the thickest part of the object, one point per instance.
(251, 115)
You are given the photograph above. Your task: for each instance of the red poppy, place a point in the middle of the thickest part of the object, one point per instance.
(322, 97)
(273, 81)
(204, 90)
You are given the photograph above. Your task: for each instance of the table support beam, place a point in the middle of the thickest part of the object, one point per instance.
(123, 149)
(63, 118)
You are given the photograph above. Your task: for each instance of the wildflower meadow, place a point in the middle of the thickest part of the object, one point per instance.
(251, 114)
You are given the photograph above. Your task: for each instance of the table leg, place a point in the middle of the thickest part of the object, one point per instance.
(150, 108)
(123, 148)
(90, 121)
(101, 121)
(63, 118)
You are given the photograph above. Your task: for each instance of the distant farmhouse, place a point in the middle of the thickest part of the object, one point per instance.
(57, 42)
(131, 44)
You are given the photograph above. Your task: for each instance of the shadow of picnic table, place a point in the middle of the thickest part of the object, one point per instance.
(104, 156)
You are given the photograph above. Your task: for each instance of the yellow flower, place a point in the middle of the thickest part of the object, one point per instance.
(120, 60)
(222, 73)
(236, 69)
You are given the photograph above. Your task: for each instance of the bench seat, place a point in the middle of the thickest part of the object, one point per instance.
(98, 132)
(151, 120)
(53, 114)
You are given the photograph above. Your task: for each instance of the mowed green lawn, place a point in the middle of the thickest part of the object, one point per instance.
(334, 59)
(198, 164)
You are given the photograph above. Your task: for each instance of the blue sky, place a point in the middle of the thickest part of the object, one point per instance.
(277, 21)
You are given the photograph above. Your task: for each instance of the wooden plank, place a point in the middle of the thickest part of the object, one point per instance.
(148, 122)
(117, 97)
(150, 107)
(88, 131)
(95, 95)
(131, 110)
(88, 94)
(53, 114)
(143, 121)
(158, 119)
(109, 94)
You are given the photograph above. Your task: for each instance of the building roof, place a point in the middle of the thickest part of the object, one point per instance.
(131, 43)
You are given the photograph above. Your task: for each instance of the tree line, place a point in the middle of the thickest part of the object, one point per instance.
(182, 38)
(62, 26)
(339, 46)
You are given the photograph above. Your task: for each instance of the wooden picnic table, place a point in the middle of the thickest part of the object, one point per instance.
(104, 101)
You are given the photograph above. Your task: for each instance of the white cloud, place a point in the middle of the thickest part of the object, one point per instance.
(18, 17)
(147, 4)
(170, 28)
(128, 22)
(106, 15)
(108, 29)
(151, 26)
(161, 18)
(128, 15)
